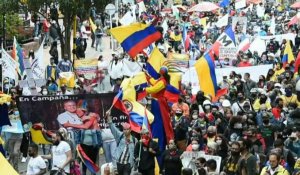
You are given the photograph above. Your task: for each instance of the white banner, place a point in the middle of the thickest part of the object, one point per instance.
(188, 159)
(258, 45)
(190, 76)
(38, 65)
(240, 4)
(128, 18)
(279, 38)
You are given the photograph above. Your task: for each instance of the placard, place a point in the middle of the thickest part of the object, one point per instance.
(227, 52)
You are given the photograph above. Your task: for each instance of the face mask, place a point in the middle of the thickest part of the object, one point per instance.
(266, 121)
(207, 107)
(195, 117)
(195, 146)
(16, 113)
(240, 98)
(288, 92)
(56, 143)
(238, 126)
(210, 134)
(235, 153)
(263, 100)
(178, 114)
(219, 142)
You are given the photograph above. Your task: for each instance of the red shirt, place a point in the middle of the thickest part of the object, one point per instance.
(244, 64)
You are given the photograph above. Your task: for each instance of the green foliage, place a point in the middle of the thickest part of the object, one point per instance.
(9, 6)
(14, 26)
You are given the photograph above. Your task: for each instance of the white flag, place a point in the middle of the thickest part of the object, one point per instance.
(9, 65)
(272, 27)
(128, 18)
(223, 21)
(240, 4)
(38, 65)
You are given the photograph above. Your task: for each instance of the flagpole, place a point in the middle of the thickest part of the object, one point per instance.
(2, 82)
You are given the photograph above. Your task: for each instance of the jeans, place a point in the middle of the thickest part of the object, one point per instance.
(109, 150)
(98, 42)
(14, 152)
(124, 169)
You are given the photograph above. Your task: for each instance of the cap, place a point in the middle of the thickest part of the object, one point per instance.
(226, 103)
(126, 125)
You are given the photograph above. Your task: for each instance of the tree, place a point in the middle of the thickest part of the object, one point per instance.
(70, 9)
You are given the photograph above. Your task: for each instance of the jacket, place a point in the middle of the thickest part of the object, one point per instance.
(121, 144)
(147, 159)
(280, 170)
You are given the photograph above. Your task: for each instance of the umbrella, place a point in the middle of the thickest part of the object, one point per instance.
(204, 7)
(296, 5)
(254, 1)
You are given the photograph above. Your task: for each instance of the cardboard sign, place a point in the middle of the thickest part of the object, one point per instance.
(239, 25)
(188, 159)
(227, 52)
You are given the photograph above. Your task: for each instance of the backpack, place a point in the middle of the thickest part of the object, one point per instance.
(121, 137)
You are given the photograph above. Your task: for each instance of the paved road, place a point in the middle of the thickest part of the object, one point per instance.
(90, 53)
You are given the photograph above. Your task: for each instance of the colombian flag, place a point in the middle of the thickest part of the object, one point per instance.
(205, 69)
(288, 56)
(172, 91)
(135, 37)
(118, 103)
(155, 62)
(138, 117)
(92, 166)
(139, 81)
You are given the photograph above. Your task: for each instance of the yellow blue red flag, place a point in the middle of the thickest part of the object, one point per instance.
(135, 37)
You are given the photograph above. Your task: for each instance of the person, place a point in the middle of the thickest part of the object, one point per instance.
(274, 167)
(51, 69)
(145, 152)
(248, 85)
(171, 164)
(64, 65)
(84, 36)
(54, 52)
(231, 162)
(69, 115)
(180, 126)
(211, 167)
(46, 28)
(36, 165)
(98, 37)
(61, 154)
(125, 146)
(247, 163)
(183, 106)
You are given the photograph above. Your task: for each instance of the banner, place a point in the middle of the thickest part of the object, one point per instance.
(86, 67)
(227, 52)
(53, 111)
(239, 25)
(188, 159)
(240, 4)
(190, 76)
(128, 18)
(223, 21)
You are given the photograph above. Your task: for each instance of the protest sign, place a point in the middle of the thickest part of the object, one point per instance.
(188, 158)
(190, 75)
(48, 109)
(227, 52)
(239, 25)
(86, 67)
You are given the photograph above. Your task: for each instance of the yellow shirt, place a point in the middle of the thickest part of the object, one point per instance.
(288, 100)
(257, 105)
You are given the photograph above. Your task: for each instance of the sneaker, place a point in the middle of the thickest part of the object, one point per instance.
(24, 159)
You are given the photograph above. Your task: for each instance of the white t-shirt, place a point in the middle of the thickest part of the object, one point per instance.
(83, 32)
(35, 165)
(59, 155)
(69, 117)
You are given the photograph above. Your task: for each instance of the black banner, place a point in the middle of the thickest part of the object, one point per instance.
(51, 110)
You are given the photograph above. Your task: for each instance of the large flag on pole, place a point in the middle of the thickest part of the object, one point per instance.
(18, 55)
(135, 37)
(288, 55)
